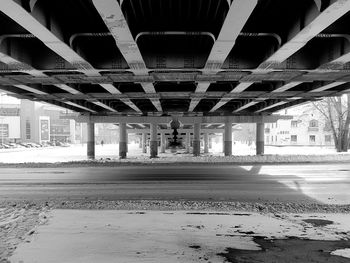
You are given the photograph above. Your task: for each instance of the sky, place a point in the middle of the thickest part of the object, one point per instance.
(4, 99)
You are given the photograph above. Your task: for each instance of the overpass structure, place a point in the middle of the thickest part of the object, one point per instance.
(195, 62)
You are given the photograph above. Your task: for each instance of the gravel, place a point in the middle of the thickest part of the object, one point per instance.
(263, 207)
(188, 160)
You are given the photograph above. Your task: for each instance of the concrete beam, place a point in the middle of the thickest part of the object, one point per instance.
(316, 26)
(245, 106)
(162, 131)
(112, 15)
(276, 104)
(328, 86)
(16, 12)
(182, 119)
(221, 103)
(286, 87)
(237, 16)
(23, 67)
(239, 88)
(201, 87)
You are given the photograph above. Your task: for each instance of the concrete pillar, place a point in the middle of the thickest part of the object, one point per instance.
(144, 142)
(188, 142)
(196, 139)
(210, 141)
(162, 143)
(260, 138)
(127, 142)
(153, 144)
(140, 141)
(91, 140)
(123, 140)
(228, 139)
(206, 142)
(223, 142)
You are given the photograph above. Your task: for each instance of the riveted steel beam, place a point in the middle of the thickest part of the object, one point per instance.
(112, 15)
(316, 26)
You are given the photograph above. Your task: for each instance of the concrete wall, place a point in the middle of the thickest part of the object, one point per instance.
(14, 127)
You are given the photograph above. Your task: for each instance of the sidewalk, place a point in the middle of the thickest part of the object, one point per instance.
(180, 236)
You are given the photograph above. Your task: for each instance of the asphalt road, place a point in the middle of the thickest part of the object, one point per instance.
(320, 183)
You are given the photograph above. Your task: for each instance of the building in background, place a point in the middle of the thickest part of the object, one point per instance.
(10, 123)
(307, 128)
(42, 123)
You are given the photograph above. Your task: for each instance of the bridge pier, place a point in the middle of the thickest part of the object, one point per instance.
(122, 140)
(91, 140)
(196, 139)
(260, 138)
(144, 142)
(162, 142)
(206, 142)
(228, 139)
(188, 142)
(153, 145)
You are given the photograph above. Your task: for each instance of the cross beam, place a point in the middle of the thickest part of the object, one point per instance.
(21, 66)
(116, 23)
(28, 22)
(237, 16)
(239, 88)
(320, 23)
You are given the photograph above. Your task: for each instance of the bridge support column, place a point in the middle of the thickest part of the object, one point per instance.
(91, 140)
(153, 144)
(228, 139)
(260, 138)
(223, 142)
(206, 142)
(162, 143)
(188, 142)
(140, 141)
(123, 140)
(196, 139)
(144, 142)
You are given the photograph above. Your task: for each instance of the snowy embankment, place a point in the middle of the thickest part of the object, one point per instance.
(108, 155)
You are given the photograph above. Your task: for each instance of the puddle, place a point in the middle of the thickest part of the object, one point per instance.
(195, 247)
(289, 250)
(318, 222)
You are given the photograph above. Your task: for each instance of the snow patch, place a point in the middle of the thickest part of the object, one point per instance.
(342, 252)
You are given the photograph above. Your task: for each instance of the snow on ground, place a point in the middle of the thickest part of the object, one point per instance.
(167, 236)
(241, 152)
(342, 252)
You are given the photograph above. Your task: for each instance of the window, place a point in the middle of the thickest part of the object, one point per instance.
(313, 123)
(267, 139)
(4, 131)
(28, 130)
(328, 138)
(312, 138)
(293, 138)
(294, 124)
(327, 126)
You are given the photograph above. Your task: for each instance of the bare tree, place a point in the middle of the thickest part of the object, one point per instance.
(336, 110)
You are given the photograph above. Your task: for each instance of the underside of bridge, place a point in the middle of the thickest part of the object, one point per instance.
(174, 57)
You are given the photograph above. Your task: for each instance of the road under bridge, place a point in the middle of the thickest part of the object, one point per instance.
(156, 62)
